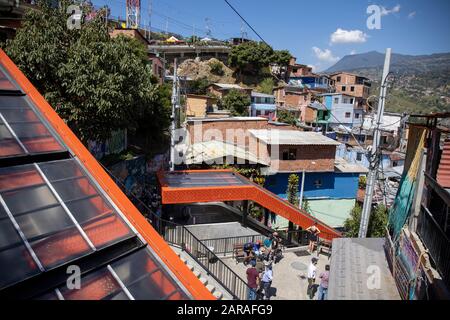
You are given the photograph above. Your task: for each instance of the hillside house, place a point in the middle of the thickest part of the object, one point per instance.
(263, 105)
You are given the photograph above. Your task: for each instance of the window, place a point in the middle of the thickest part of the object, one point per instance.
(358, 156)
(356, 115)
(344, 88)
(352, 89)
(348, 114)
(345, 100)
(336, 100)
(352, 100)
(361, 139)
(345, 138)
(290, 154)
(318, 183)
(338, 79)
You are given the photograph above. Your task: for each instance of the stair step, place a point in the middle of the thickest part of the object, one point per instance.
(183, 260)
(190, 267)
(211, 288)
(204, 281)
(197, 273)
(218, 295)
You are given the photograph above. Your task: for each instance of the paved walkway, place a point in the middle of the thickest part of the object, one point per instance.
(289, 275)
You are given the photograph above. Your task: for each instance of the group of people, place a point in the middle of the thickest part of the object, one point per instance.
(312, 275)
(259, 282)
(269, 250)
(260, 255)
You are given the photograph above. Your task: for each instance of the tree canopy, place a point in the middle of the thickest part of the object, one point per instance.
(286, 117)
(292, 189)
(237, 102)
(251, 57)
(98, 84)
(377, 222)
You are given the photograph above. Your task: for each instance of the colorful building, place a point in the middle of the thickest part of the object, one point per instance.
(263, 105)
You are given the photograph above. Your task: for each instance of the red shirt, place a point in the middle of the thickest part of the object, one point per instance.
(252, 275)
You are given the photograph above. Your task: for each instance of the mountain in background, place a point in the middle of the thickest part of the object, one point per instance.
(422, 83)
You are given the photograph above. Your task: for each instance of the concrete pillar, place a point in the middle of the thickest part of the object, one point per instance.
(290, 228)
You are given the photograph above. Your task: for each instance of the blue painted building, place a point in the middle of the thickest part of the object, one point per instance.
(344, 109)
(313, 81)
(331, 195)
(263, 105)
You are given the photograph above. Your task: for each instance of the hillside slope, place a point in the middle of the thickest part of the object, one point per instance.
(421, 82)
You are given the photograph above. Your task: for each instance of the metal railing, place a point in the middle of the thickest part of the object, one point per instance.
(436, 241)
(216, 268)
(179, 235)
(226, 245)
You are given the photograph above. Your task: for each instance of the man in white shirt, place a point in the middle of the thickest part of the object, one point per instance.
(267, 281)
(312, 269)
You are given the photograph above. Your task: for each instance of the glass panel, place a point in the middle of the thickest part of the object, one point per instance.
(8, 234)
(61, 170)
(94, 286)
(74, 189)
(42, 222)
(131, 268)
(19, 115)
(87, 209)
(144, 277)
(36, 198)
(19, 263)
(60, 248)
(18, 177)
(103, 232)
(27, 126)
(8, 145)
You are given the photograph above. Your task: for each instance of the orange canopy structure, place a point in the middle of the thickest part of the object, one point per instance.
(225, 185)
(59, 207)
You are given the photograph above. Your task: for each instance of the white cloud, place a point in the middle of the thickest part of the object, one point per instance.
(385, 12)
(411, 15)
(325, 55)
(348, 36)
(352, 52)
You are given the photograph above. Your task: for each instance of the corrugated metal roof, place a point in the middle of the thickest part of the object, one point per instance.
(443, 173)
(292, 137)
(359, 271)
(229, 86)
(344, 166)
(262, 95)
(210, 150)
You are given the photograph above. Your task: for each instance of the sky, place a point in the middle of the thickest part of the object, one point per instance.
(318, 33)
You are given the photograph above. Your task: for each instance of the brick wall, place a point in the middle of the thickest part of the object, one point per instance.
(309, 158)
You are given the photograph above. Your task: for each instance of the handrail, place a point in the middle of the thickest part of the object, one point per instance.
(222, 274)
(216, 268)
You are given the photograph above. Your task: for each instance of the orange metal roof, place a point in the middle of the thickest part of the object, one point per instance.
(225, 185)
(96, 172)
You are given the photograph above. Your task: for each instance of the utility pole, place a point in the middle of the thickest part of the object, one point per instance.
(173, 115)
(300, 202)
(373, 154)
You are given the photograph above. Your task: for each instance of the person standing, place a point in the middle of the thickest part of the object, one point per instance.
(323, 288)
(313, 236)
(312, 269)
(252, 281)
(267, 281)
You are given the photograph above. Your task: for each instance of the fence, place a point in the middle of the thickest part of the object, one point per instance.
(436, 241)
(216, 268)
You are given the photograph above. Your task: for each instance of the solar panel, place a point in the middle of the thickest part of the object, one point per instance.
(137, 276)
(58, 210)
(22, 132)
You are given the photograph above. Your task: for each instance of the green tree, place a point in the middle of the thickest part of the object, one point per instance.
(286, 117)
(282, 59)
(98, 84)
(199, 86)
(237, 102)
(250, 57)
(306, 206)
(377, 222)
(266, 86)
(216, 68)
(292, 189)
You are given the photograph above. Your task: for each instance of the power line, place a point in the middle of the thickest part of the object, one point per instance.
(248, 24)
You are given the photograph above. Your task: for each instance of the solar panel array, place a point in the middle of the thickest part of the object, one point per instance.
(53, 215)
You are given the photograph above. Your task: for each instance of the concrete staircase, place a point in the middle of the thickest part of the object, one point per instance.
(212, 285)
